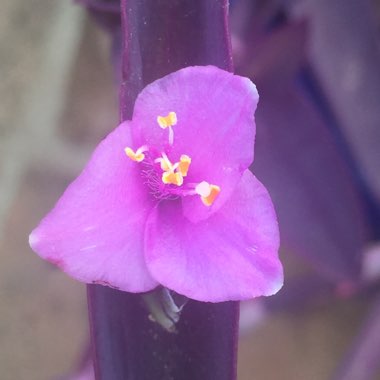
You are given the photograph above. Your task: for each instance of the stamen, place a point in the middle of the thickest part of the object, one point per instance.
(183, 165)
(207, 192)
(168, 122)
(137, 156)
(171, 178)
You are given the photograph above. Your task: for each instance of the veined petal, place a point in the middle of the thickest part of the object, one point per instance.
(95, 233)
(214, 126)
(230, 256)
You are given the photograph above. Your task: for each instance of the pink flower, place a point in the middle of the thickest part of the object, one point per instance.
(167, 198)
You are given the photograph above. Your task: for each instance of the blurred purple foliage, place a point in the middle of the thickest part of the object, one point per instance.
(105, 12)
(321, 213)
(344, 52)
(316, 64)
(362, 361)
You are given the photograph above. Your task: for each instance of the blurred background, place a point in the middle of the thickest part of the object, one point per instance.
(316, 64)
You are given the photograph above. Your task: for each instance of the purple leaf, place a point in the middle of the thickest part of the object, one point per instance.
(346, 57)
(276, 57)
(362, 360)
(319, 210)
(106, 6)
(105, 12)
(321, 213)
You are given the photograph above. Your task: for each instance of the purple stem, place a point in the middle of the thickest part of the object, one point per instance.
(128, 345)
(163, 36)
(159, 37)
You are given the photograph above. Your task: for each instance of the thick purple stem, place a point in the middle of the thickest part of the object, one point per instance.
(159, 37)
(163, 36)
(127, 345)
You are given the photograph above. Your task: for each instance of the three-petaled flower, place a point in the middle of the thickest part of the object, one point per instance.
(167, 198)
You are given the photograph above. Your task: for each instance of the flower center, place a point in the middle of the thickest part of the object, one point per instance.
(166, 178)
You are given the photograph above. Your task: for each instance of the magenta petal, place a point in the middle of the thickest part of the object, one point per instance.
(95, 233)
(230, 256)
(216, 127)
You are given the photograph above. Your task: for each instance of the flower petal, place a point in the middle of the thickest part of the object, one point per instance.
(215, 126)
(95, 233)
(230, 256)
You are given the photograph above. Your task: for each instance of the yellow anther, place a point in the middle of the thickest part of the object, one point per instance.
(183, 165)
(167, 121)
(137, 156)
(171, 178)
(207, 192)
